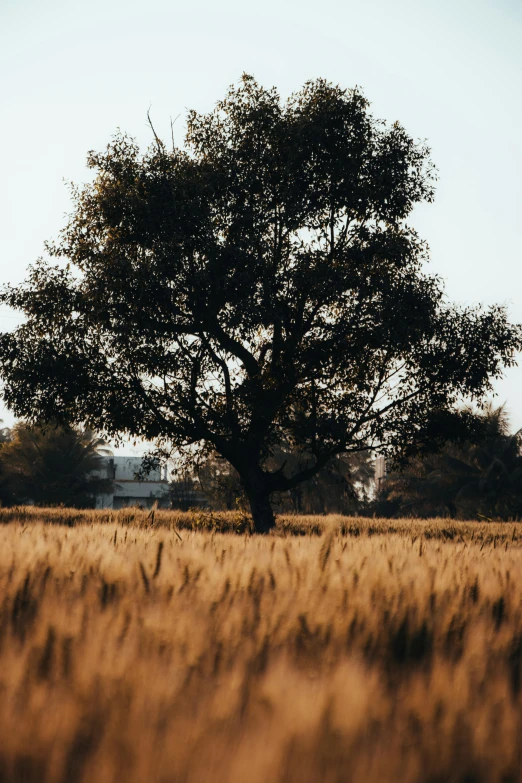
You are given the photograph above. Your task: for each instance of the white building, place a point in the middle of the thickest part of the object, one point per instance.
(130, 489)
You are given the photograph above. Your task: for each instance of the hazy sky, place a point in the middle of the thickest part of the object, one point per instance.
(449, 70)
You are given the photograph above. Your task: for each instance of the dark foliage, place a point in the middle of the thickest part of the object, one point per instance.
(481, 478)
(342, 486)
(185, 493)
(259, 286)
(52, 465)
(6, 494)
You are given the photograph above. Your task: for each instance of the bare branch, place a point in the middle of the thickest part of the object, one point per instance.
(161, 146)
(172, 131)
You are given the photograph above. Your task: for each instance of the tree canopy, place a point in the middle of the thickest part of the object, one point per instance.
(258, 286)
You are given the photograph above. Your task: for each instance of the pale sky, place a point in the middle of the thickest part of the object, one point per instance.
(449, 70)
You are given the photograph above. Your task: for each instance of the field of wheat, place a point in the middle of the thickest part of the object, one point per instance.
(152, 648)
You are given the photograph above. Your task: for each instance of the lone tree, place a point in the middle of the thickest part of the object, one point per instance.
(258, 286)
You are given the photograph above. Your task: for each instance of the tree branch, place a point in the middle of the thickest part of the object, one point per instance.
(158, 140)
(234, 347)
(228, 386)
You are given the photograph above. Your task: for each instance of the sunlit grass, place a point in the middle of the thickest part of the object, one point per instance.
(137, 649)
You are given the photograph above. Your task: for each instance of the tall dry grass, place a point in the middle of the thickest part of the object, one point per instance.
(286, 524)
(380, 650)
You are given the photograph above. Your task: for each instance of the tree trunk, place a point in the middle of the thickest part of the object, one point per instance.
(261, 509)
(257, 489)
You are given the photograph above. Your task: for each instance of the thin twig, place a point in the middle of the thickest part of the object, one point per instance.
(172, 131)
(158, 140)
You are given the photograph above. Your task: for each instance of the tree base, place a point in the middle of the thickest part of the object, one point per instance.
(262, 514)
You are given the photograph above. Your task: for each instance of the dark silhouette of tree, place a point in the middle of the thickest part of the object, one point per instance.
(475, 479)
(53, 465)
(259, 286)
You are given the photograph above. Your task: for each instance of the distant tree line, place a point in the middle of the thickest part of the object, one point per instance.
(466, 478)
(342, 486)
(56, 464)
(479, 478)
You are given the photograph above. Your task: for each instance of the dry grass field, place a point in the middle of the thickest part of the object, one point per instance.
(335, 650)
